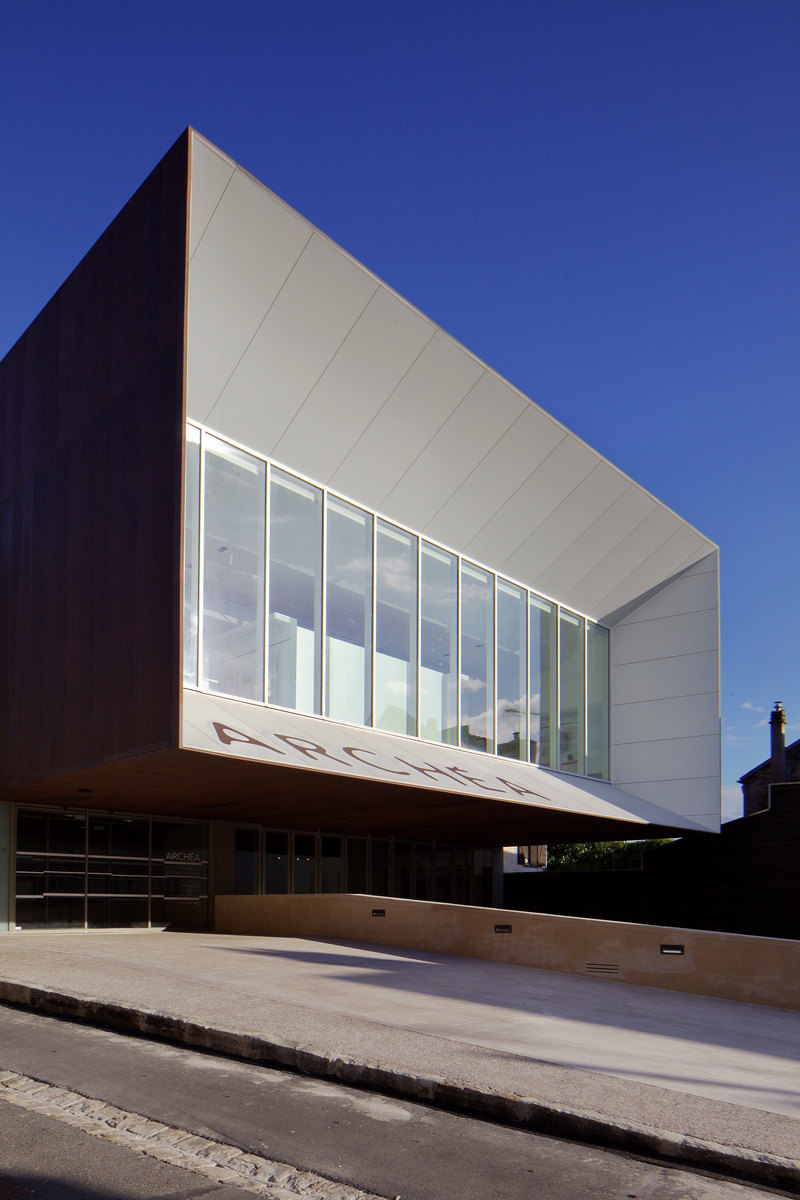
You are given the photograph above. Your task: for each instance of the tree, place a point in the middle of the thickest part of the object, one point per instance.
(600, 856)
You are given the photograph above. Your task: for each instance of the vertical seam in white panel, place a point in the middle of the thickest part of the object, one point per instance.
(214, 213)
(531, 530)
(375, 416)
(516, 491)
(329, 363)
(435, 434)
(270, 307)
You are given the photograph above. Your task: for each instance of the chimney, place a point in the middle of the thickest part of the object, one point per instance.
(777, 721)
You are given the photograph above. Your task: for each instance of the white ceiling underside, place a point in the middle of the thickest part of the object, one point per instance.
(298, 352)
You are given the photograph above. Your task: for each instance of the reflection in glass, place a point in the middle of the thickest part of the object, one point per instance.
(233, 571)
(512, 670)
(571, 731)
(438, 685)
(348, 613)
(477, 658)
(191, 554)
(396, 630)
(543, 681)
(295, 593)
(597, 701)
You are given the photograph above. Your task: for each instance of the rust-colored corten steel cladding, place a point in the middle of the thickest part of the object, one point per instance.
(91, 428)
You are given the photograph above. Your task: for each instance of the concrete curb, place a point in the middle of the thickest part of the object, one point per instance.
(507, 1108)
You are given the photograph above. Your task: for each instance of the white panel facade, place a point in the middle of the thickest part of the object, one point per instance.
(499, 474)
(484, 415)
(305, 328)
(211, 174)
(596, 543)
(248, 249)
(665, 695)
(557, 532)
(301, 354)
(427, 395)
(681, 549)
(554, 478)
(378, 352)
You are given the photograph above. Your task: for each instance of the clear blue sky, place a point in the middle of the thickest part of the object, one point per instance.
(598, 197)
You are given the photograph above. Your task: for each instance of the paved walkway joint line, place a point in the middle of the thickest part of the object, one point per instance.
(212, 1160)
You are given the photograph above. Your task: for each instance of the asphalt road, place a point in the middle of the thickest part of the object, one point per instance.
(384, 1146)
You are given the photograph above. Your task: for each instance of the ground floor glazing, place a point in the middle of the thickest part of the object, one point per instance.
(87, 870)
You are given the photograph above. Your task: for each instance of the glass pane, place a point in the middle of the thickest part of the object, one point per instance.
(191, 554)
(295, 593)
(245, 860)
(443, 880)
(357, 865)
(67, 835)
(179, 879)
(305, 863)
(396, 631)
(276, 862)
(423, 865)
(543, 678)
(477, 658)
(512, 670)
(461, 875)
(482, 878)
(330, 864)
(402, 870)
(438, 684)
(348, 613)
(571, 732)
(379, 885)
(233, 571)
(597, 763)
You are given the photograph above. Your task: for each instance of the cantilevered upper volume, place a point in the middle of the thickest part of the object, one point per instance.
(299, 354)
(276, 549)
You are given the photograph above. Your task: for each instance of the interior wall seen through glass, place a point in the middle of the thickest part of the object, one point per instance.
(543, 682)
(512, 670)
(418, 641)
(477, 658)
(571, 730)
(395, 630)
(295, 593)
(438, 683)
(597, 709)
(234, 502)
(348, 613)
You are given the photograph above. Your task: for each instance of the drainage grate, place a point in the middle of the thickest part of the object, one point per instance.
(602, 968)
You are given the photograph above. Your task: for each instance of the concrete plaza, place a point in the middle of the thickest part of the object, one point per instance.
(707, 1080)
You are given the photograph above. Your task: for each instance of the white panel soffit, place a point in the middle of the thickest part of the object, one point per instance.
(299, 352)
(233, 728)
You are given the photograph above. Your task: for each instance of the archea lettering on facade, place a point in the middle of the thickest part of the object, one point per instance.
(304, 749)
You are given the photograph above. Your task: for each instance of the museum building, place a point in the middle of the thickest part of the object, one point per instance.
(298, 595)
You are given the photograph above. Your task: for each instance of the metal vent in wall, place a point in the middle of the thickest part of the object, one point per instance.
(602, 968)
